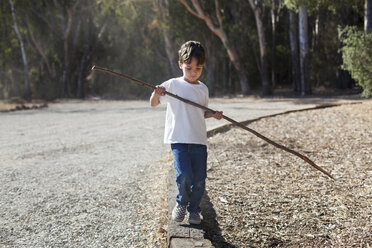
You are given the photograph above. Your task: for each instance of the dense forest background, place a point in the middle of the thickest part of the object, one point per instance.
(47, 47)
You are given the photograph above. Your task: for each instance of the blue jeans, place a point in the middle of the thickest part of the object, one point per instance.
(190, 161)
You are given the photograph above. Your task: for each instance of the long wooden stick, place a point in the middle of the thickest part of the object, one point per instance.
(303, 157)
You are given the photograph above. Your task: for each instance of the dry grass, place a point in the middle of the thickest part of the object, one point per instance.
(265, 197)
(14, 105)
(156, 207)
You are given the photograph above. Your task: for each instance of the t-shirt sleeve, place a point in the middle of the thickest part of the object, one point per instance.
(167, 85)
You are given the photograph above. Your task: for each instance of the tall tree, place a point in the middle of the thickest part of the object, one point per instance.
(302, 7)
(257, 7)
(368, 16)
(344, 79)
(275, 8)
(66, 18)
(168, 41)
(211, 65)
(218, 30)
(92, 34)
(293, 40)
(304, 48)
(24, 56)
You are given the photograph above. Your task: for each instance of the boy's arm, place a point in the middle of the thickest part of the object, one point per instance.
(154, 99)
(209, 114)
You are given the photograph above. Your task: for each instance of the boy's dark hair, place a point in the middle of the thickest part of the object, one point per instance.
(189, 50)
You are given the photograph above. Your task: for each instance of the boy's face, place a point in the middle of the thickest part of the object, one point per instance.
(191, 71)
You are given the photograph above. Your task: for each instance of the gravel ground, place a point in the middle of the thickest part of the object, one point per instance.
(81, 174)
(265, 197)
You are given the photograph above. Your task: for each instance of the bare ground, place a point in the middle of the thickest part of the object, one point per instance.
(57, 195)
(265, 197)
(83, 174)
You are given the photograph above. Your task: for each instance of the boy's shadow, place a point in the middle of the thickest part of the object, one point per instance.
(210, 224)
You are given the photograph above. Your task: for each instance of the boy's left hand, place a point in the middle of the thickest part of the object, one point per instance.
(218, 115)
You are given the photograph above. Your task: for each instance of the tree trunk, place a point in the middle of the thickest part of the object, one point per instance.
(83, 66)
(235, 60)
(304, 50)
(293, 34)
(315, 40)
(273, 46)
(24, 57)
(84, 59)
(66, 32)
(210, 66)
(171, 53)
(40, 50)
(368, 16)
(169, 47)
(230, 86)
(12, 87)
(266, 87)
(221, 34)
(344, 80)
(66, 65)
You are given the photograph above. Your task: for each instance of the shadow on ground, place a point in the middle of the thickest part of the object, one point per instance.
(210, 224)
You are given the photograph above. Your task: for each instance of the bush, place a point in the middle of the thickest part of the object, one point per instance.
(357, 57)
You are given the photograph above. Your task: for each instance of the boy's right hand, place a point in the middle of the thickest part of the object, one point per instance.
(159, 90)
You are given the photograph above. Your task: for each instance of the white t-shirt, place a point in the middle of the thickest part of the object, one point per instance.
(185, 123)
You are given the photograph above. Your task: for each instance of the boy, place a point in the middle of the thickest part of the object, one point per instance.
(185, 130)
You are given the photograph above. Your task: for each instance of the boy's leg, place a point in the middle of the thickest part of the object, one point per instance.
(182, 164)
(198, 155)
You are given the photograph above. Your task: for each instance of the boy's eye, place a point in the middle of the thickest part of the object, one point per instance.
(197, 69)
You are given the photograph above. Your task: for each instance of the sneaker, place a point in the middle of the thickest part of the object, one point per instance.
(178, 213)
(194, 218)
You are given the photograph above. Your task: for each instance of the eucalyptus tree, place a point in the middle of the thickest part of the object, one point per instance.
(216, 25)
(276, 7)
(343, 8)
(67, 13)
(92, 29)
(178, 26)
(368, 16)
(302, 7)
(24, 56)
(8, 44)
(133, 44)
(63, 34)
(293, 41)
(164, 18)
(257, 8)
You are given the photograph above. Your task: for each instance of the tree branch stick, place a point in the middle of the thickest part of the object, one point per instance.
(303, 157)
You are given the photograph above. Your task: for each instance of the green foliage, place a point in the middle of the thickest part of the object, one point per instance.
(291, 4)
(312, 5)
(357, 56)
(129, 37)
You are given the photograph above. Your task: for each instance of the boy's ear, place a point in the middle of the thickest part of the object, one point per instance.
(180, 64)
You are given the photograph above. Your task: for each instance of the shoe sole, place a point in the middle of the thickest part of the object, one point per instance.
(195, 222)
